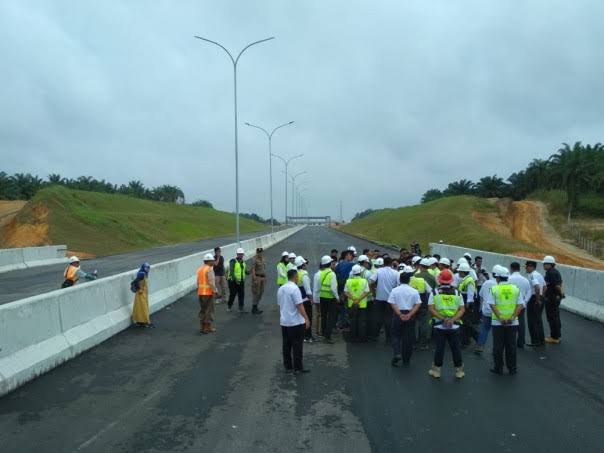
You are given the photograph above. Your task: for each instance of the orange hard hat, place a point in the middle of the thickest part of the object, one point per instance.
(445, 277)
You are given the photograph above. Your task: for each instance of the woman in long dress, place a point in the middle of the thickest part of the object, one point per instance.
(140, 310)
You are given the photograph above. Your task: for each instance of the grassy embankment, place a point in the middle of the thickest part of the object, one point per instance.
(105, 224)
(451, 219)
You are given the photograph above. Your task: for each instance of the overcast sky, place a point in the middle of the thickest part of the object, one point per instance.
(390, 98)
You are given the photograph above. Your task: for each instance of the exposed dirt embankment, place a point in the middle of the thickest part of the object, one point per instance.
(30, 234)
(527, 221)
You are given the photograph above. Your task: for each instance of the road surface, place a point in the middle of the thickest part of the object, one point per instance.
(170, 389)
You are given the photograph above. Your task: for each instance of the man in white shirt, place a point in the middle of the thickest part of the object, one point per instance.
(526, 291)
(384, 280)
(486, 313)
(293, 322)
(405, 302)
(535, 305)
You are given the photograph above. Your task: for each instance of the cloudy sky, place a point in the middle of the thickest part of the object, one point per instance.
(389, 98)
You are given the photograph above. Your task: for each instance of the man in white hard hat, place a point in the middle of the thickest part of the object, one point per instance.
(282, 269)
(306, 292)
(292, 260)
(424, 272)
(467, 289)
(405, 302)
(415, 263)
(328, 295)
(206, 290)
(423, 329)
(553, 297)
(444, 263)
(486, 313)
(236, 277)
(356, 291)
(384, 281)
(258, 280)
(73, 273)
(505, 301)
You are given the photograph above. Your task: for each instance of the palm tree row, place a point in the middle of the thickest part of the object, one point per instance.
(576, 170)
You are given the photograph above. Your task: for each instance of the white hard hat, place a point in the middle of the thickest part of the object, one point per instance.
(352, 249)
(285, 254)
(503, 272)
(462, 260)
(464, 267)
(363, 258)
(292, 255)
(74, 259)
(467, 255)
(415, 259)
(299, 261)
(549, 260)
(379, 262)
(240, 251)
(432, 261)
(424, 262)
(356, 269)
(406, 270)
(496, 270)
(401, 266)
(208, 257)
(326, 260)
(445, 261)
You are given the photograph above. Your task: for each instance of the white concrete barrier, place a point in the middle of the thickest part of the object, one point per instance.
(583, 287)
(23, 258)
(40, 332)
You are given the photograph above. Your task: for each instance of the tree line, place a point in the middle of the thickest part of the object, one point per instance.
(576, 170)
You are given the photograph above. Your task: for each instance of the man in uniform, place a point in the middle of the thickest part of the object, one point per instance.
(553, 296)
(534, 307)
(236, 277)
(258, 280)
(405, 302)
(206, 289)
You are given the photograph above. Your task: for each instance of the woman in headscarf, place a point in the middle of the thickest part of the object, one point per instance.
(140, 311)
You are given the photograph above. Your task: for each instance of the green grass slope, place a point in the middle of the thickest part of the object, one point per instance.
(449, 219)
(105, 224)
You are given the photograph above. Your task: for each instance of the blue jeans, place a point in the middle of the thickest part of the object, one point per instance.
(485, 327)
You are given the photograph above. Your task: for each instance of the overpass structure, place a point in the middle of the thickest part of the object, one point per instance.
(308, 220)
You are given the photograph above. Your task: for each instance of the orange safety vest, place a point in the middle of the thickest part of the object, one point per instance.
(71, 273)
(203, 284)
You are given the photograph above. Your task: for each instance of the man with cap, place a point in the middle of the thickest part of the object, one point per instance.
(444, 263)
(73, 273)
(433, 269)
(467, 288)
(534, 307)
(356, 290)
(447, 308)
(415, 264)
(293, 321)
(385, 279)
(328, 294)
(206, 289)
(258, 279)
(486, 313)
(306, 292)
(405, 302)
(553, 297)
(505, 301)
(236, 277)
(291, 261)
(424, 266)
(282, 269)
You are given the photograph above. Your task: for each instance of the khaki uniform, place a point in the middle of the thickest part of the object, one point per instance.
(258, 279)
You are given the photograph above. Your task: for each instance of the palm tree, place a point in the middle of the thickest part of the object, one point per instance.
(461, 187)
(431, 195)
(571, 168)
(491, 187)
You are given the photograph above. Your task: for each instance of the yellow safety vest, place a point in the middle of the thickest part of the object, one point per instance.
(325, 277)
(237, 271)
(418, 283)
(506, 298)
(281, 279)
(356, 286)
(301, 274)
(467, 281)
(447, 305)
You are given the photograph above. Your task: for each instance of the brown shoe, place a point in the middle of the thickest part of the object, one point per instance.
(203, 327)
(551, 340)
(210, 329)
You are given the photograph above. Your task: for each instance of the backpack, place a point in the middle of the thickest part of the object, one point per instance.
(134, 286)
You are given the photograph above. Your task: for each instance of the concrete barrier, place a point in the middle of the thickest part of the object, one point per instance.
(22, 258)
(41, 332)
(583, 287)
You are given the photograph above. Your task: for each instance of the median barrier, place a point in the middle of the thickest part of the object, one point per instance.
(583, 287)
(23, 258)
(41, 332)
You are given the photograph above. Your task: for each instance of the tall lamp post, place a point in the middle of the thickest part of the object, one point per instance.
(293, 178)
(286, 163)
(270, 162)
(235, 60)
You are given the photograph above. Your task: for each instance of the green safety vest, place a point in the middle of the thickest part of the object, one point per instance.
(281, 280)
(366, 274)
(301, 274)
(446, 305)
(418, 283)
(356, 286)
(506, 298)
(467, 281)
(237, 271)
(325, 277)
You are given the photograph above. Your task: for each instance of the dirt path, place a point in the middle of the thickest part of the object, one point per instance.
(527, 221)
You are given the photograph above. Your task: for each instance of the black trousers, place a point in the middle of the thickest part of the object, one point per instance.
(468, 330)
(504, 341)
(293, 343)
(441, 337)
(403, 337)
(534, 317)
(521, 340)
(382, 316)
(236, 289)
(308, 310)
(329, 313)
(358, 323)
(552, 311)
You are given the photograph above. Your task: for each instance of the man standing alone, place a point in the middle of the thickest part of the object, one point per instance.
(553, 297)
(293, 322)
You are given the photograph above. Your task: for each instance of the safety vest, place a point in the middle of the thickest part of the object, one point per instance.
(356, 286)
(419, 284)
(281, 279)
(431, 271)
(71, 274)
(366, 274)
(463, 287)
(237, 271)
(301, 274)
(325, 277)
(203, 283)
(447, 304)
(506, 298)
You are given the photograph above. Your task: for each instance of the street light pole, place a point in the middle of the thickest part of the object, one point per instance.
(270, 162)
(286, 163)
(235, 61)
(294, 189)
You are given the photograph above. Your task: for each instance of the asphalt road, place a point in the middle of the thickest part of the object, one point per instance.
(20, 284)
(170, 389)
